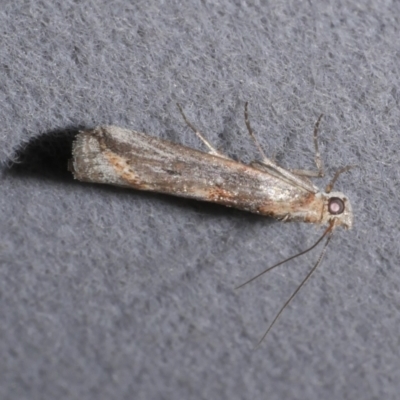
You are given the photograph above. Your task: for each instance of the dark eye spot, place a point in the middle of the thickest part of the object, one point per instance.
(335, 206)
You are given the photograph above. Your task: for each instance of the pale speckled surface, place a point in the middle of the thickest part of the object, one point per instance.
(106, 293)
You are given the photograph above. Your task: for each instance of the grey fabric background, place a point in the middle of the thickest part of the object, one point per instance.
(116, 294)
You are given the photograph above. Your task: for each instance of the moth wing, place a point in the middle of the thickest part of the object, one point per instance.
(281, 173)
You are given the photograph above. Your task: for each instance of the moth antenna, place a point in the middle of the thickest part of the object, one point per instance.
(290, 258)
(298, 288)
(330, 185)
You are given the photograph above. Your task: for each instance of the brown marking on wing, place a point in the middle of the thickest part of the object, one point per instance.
(124, 171)
(218, 195)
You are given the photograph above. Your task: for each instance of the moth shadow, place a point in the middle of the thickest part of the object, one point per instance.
(46, 156)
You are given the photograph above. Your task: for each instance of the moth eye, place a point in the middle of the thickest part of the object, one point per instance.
(335, 206)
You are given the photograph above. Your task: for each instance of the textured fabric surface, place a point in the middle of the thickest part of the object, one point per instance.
(115, 294)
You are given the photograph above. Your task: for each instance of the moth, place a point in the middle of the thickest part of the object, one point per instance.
(121, 157)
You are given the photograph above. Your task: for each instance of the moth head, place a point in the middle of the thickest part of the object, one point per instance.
(338, 209)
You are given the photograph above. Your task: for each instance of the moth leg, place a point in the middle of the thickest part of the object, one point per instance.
(212, 150)
(318, 161)
(329, 187)
(270, 166)
(252, 135)
(266, 160)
